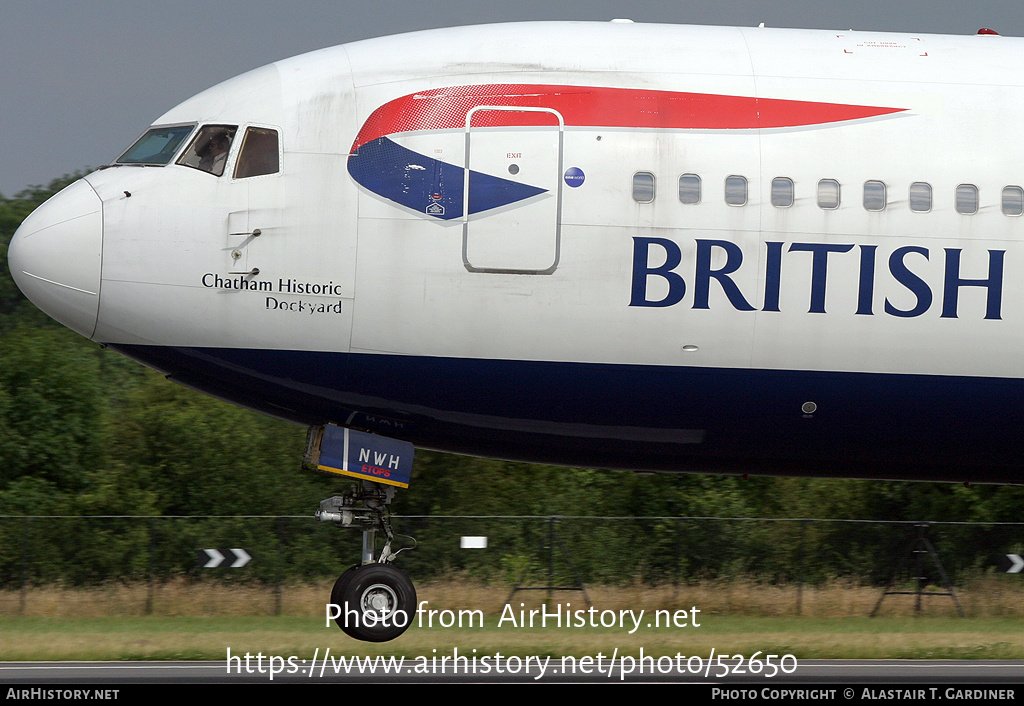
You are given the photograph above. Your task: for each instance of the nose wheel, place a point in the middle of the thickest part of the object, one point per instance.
(376, 601)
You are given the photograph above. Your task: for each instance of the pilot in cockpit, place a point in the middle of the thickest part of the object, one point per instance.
(214, 153)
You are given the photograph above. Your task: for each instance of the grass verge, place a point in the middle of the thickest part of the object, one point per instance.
(203, 621)
(805, 638)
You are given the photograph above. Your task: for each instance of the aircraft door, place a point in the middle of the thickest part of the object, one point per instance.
(512, 190)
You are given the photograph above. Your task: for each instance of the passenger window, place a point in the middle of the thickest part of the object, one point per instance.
(643, 187)
(689, 188)
(735, 190)
(1013, 201)
(782, 192)
(209, 151)
(259, 153)
(920, 197)
(874, 196)
(828, 194)
(967, 199)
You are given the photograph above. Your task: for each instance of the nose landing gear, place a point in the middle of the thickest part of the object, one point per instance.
(373, 601)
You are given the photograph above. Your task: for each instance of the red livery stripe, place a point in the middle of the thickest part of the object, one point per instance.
(446, 108)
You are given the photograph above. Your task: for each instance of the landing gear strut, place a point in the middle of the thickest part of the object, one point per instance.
(373, 601)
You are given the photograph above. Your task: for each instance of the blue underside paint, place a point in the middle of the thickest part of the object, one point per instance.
(430, 186)
(656, 418)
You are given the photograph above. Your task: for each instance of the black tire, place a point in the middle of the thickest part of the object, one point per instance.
(338, 592)
(377, 602)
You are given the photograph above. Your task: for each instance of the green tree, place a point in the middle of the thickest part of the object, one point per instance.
(51, 408)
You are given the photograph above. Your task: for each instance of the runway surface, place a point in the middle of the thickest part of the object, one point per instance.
(991, 673)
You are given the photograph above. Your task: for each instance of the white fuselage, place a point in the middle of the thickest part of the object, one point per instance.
(833, 250)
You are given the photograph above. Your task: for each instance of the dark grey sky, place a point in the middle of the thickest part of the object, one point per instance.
(80, 81)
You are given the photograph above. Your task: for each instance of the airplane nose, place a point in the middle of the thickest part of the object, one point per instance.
(55, 257)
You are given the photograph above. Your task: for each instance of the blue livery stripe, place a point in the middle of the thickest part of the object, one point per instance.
(658, 418)
(430, 186)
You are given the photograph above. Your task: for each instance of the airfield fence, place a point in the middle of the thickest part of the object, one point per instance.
(524, 551)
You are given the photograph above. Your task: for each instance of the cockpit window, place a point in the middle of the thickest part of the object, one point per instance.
(209, 150)
(259, 154)
(157, 146)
